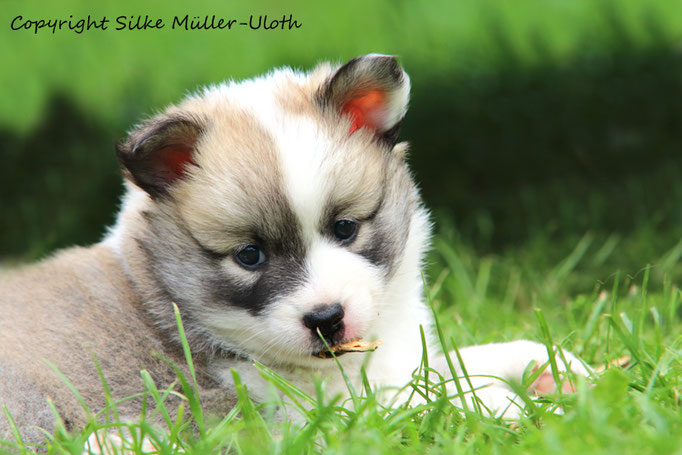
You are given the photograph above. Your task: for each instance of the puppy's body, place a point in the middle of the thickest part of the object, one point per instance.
(62, 311)
(271, 211)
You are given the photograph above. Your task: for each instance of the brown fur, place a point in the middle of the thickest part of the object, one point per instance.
(64, 310)
(240, 178)
(296, 98)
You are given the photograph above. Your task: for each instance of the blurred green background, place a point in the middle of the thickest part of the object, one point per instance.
(534, 124)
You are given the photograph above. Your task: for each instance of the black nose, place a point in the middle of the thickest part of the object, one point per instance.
(327, 318)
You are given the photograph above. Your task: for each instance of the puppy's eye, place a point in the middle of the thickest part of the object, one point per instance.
(345, 230)
(250, 256)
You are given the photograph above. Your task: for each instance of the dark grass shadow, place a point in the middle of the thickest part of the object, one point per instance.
(59, 183)
(590, 143)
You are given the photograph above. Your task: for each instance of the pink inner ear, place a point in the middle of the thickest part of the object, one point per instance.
(176, 158)
(366, 110)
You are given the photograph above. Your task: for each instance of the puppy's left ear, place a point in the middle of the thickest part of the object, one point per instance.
(373, 90)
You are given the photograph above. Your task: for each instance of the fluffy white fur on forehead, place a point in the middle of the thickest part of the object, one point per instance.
(318, 170)
(301, 145)
(315, 159)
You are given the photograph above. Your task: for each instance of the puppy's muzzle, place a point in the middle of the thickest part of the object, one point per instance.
(328, 319)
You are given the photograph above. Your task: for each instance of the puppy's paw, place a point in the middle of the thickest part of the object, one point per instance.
(547, 382)
(568, 368)
(526, 357)
(496, 369)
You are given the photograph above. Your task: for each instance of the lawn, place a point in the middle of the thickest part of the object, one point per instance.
(478, 299)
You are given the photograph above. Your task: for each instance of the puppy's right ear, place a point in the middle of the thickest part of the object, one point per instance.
(158, 152)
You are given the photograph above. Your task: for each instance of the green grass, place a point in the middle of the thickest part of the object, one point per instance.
(478, 299)
(116, 74)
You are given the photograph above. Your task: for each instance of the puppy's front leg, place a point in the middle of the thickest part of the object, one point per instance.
(506, 361)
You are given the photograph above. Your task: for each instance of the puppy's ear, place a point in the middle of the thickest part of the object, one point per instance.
(373, 90)
(158, 152)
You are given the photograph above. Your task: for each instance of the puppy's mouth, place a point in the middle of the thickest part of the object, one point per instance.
(356, 345)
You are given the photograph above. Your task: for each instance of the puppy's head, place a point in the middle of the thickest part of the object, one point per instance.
(280, 207)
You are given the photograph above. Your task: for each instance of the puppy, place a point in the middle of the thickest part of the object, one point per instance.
(273, 212)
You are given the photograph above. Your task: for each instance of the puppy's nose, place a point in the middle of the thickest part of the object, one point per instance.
(327, 318)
